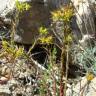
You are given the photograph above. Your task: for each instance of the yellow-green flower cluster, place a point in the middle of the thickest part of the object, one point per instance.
(22, 6)
(47, 40)
(44, 38)
(43, 31)
(12, 50)
(63, 14)
(89, 76)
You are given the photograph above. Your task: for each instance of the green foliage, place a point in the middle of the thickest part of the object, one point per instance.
(44, 38)
(68, 38)
(54, 52)
(11, 51)
(44, 84)
(63, 14)
(43, 31)
(22, 6)
(49, 84)
(86, 58)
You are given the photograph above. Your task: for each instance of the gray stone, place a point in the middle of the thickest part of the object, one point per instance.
(4, 89)
(30, 21)
(6, 12)
(83, 88)
(39, 15)
(84, 16)
(6, 6)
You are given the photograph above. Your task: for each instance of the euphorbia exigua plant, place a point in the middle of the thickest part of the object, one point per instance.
(64, 15)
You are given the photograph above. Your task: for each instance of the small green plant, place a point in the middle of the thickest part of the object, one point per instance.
(22, 6)
(64, 14)
(87, 59)
(47, 40)
(44, 38)
(49, 82)
(11, 52)
(43, 31)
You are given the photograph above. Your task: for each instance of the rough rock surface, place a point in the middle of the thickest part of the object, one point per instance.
(30, 21)
(39, 15)
(84, 12)
(6, 13)
(21, 79)
(6, 6)
(83, 88)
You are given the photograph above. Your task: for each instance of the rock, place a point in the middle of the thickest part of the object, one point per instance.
(3, 80)
(82, 88)
(2, 61)
(30, 21)
(7, 21)
(38, 15)
(6, 11)
(6, 71)
(6, 6)
(4, 89)
(84, 16)
(85, 41)
(29, 90)
(13, 83)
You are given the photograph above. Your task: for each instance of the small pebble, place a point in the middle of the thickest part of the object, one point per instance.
(3, 80)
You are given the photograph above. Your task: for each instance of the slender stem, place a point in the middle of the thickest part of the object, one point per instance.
(62, 72)
(32, 47)
(67, 66)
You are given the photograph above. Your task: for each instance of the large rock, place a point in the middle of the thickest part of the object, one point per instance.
(4, 90)
(39, 15)
(30, 21)
(83, 88)
(84, 13)
(6, 13)
(6, 6)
